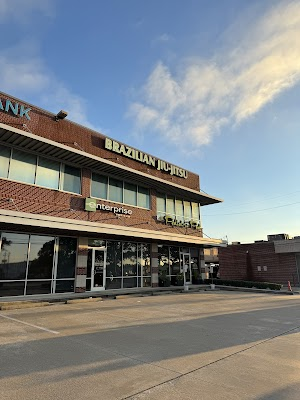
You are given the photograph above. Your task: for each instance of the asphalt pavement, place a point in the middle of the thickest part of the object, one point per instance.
(203, 345)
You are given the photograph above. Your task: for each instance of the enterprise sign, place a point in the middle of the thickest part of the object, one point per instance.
(7, 105)
(91, 205)
(144, 158)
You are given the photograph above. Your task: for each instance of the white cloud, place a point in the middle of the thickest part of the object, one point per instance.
(20, 10)
(259, 64)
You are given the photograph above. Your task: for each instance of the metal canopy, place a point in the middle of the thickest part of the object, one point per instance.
(36, 144)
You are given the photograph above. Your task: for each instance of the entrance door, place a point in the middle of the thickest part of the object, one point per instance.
(98, 273)
(185, 264)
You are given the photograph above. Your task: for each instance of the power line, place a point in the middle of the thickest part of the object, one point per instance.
(250, 212)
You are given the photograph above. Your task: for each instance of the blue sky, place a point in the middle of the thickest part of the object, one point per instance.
(208, 85)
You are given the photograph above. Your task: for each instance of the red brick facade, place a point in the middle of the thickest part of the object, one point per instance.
(258, 262)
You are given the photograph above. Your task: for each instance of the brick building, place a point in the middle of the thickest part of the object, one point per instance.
(275, 261)
(82, 212)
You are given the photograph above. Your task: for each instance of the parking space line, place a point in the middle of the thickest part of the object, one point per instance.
(26, 323)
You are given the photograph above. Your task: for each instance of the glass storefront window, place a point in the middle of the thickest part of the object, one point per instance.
(163, 260)
(195, 212)
(41, 257)
(38, 287)
(22, 167)
(113, 259)
(71, 179)
(179, 210)
(99, 186)
(4, 161)
(47, 173)
(174, 261)
(64, 286)
(170, 209)
(115, 190)
(129, 259)
(13, 258)
(66, 262)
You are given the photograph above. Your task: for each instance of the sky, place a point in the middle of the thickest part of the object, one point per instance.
(211, 86)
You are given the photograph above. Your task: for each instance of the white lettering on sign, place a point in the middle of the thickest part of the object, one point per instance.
(144, 158)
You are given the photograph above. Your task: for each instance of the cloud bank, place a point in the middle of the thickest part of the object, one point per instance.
(204, 96)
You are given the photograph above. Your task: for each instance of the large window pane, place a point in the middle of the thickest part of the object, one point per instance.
(38, 287)
(170, 206)
(4, 161)
(22, 167)
(47, 173)
(13, 256)
(179, 210)
(12, 288)
(163, 260)
(66, 262)
(130, 194)
(174, 261)
(161, 206)
(40, 257)
(129, 282)
(64, 286)
(115, 190)
(129, 259)
(99, 186)
(195, 211)
(187, 210)
(113, 259)
(144, 260)
(71, 179)
(143, 197)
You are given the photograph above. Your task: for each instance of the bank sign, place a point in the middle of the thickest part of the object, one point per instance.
(17, 109)
(91, 205)
(144, 158)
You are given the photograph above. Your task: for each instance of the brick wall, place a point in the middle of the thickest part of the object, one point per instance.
(235, 263)
(42, 123)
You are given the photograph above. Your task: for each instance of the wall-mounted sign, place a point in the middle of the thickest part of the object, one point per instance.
(169, 220)
(15, 108)
(144, 158)
(91, 205)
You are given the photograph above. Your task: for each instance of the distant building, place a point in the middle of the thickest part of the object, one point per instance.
(276, 260)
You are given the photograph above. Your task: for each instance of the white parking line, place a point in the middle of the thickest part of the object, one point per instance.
(26, 323)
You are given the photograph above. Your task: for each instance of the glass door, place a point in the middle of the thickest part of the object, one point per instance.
(185, 267)
(98, 273)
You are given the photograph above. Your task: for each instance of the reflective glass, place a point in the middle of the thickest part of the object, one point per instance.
(13, 256)
(67, 250)
(130, 194)
(187, 210)
(160, 206)
(113, 283)
(99, 186)
(71, 179)
(170, 206)
(174, 261)
(40, 257)
(38, 287)
(195, 212)
(179, 210)
(22, 167)
(129, 259)
(145, 260)
(163, 260)
(4, 161)
(64, 286)
(113, 259)
(143, 197)
(115, 190)
(12, 288)
(129, 282)
(47, 173)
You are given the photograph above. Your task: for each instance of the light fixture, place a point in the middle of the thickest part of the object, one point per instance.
(61, 115)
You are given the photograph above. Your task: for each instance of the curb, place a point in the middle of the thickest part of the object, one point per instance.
(20, 305)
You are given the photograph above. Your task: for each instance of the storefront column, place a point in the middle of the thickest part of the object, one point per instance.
(202, 263)
(81, 268)
(154, 264)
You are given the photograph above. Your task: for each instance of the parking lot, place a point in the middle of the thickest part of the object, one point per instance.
(205, 345)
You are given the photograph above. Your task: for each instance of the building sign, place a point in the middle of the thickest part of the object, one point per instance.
(144, 158)
(91, 205)
(169, 220)
(15, 108)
